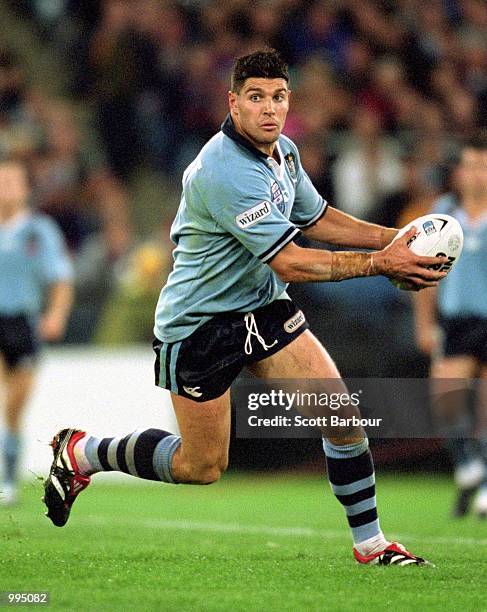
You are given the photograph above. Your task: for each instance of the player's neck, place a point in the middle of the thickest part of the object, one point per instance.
(11, 215)
(475, 207)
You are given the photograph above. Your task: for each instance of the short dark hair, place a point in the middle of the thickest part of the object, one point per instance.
(260, 64)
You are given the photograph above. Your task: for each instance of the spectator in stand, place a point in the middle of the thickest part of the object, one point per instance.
(368, 167)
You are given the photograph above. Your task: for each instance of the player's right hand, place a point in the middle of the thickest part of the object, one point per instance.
(398, 262)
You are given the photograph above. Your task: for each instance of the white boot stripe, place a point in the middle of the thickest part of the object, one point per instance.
(58, 487)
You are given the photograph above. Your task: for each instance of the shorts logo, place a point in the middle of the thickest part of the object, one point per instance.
(194, 391)
(429, 228)
(294, 322)
(253, 215)
(277, 197)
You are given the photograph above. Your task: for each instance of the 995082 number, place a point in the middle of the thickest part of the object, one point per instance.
(12, 598)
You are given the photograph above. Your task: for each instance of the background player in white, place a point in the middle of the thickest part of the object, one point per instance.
(459, 309)
(35, 300)
(224, 307)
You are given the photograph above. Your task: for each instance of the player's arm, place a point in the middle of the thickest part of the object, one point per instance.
(396, 261)
(425, 320)
(336, 227)
(55, 316)
(57, 276)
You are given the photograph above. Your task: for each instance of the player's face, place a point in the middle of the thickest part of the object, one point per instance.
(14, 188)
(473, 173)
(259, 111)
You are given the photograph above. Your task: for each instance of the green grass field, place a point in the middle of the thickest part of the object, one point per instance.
(249, 542)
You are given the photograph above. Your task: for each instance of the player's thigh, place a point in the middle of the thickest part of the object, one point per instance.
(452, 373)
(454, 367)
(450, 384)
(205, 430)
(303, 362)
(303, 358)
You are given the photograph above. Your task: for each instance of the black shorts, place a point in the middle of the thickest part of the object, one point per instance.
(18, 341)
(204, 365)
(465, 336)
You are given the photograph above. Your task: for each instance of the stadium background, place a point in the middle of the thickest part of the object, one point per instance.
(108, 101)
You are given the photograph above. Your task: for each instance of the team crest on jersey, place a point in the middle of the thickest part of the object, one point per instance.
(277, 197)
(253, 215)
(291, 164)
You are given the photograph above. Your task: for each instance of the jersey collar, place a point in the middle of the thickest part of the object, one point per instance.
(228, 128)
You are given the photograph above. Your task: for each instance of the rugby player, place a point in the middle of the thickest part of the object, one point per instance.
(245, 199)
(458, 309)
(35, 301)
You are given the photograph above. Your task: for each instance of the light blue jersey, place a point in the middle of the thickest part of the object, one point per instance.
(463, 293)
(32, 256)
(238, 209)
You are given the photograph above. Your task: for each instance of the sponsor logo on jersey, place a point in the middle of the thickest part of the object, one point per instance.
(294, 322)
(291, 164)
(278, 197)
(194, 391)
(429, 228)
(253, 215)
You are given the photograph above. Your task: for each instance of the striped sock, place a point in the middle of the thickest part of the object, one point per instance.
(146, 454)
(352, 479)
(11, 455)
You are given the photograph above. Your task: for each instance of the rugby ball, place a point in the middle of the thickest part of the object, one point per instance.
(436, 235)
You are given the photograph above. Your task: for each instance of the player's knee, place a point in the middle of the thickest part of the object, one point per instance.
(348, 433)
(206, 475)
(350, 437)
(208, 472)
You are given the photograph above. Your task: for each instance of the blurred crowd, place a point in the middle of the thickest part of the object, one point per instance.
(383, 92)
(75, 184)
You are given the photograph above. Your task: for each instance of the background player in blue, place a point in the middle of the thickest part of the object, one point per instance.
(35, 300)
(245, 198)
(459, 306)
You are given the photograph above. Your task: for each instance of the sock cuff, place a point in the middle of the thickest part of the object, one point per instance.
(11, 441)
(163, 455)
(347, 451)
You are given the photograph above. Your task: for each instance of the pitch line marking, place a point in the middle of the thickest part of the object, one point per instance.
(268, 530)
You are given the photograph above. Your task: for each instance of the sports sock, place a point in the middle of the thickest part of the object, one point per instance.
(457, 428)
(461, 450)
(458, 440)
(146, 454)
(482, 446)
(11, 455)
(352, 479)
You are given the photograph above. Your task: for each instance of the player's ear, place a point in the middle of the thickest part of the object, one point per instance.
(232, 101)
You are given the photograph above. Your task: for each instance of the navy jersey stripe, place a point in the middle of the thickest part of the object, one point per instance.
(288, 235)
